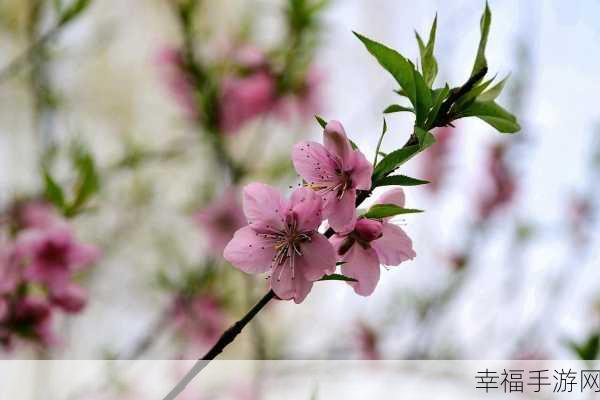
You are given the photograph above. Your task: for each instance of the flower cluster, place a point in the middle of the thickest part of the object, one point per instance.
(37, 271)
(282, 236)
(249, 89)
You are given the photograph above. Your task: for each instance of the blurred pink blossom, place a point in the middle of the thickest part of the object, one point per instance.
(245, 98)
(304, 102)
(371, 243)
(282, 236)
(71, 298)
(335, 171)
(34, 316)
(368, 342)
(435, 159)
(502, 185)
(37, 214)
(52, 255)
(220, 219)
(177, 80)
(199, 318)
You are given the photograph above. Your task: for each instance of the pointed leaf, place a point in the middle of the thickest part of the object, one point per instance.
(53, 192)
(397, 108)
(493, 114)
(493, 92)
(321, 121)
(400, 180)
(393, 62)
(480, 61)
(337, 277)
(379, 211)
(393, 160)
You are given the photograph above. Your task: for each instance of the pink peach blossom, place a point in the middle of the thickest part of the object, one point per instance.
(244, 98)
(71, 298)
(36, 315)
(220, 219)
(199, 318)
(10, 273)
(282, 236)
(304, 101)
(177, 80)
(335, 171)
(51, 255)
(502, 185)
(435, 159)
(371, 243)
(37, 214)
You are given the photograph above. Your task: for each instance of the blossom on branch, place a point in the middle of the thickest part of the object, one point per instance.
(335, 171)
(371, 243)
(282, 238)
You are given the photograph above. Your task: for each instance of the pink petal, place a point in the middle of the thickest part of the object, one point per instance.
(307, 207)
(341, 214)
(82, 255)
(318, 258)
(394, 246)
(363, 265)
(263, 207)
(394, 196)
(71, 298)
(336, 141)
(250, 251)
(368, 229)
(361, 171)
(3, 309)
(287, 288)
(313, 162)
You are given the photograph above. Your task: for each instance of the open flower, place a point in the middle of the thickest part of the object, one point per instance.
(371, 243)
(51, 255)
(220, 219)
(282, 237)
(335, 171)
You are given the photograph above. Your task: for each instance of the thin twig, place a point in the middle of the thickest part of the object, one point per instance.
(228, 336)
(26, 56)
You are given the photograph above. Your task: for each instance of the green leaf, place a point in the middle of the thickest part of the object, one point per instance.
(72, 11)
(379, 211)
(400, 180)
(486, 20)
(470, 96)
(321, 121)
(422, 98)
(53, 192)
(589, 349)
(394, 160)
(397, 108)
(438, 97)
(494, 92)
(426, 138)
(383, 131)
(429, 64)
(88, 180)
(493, 114)
(393, 62)
(337, 277)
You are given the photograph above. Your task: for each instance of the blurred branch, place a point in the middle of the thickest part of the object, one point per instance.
(67, 16)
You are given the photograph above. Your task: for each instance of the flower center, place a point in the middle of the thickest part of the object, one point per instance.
(54, 254)
(288, 244)
(339, 183)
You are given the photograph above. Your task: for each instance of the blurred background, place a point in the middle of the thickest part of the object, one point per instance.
(108, 113)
